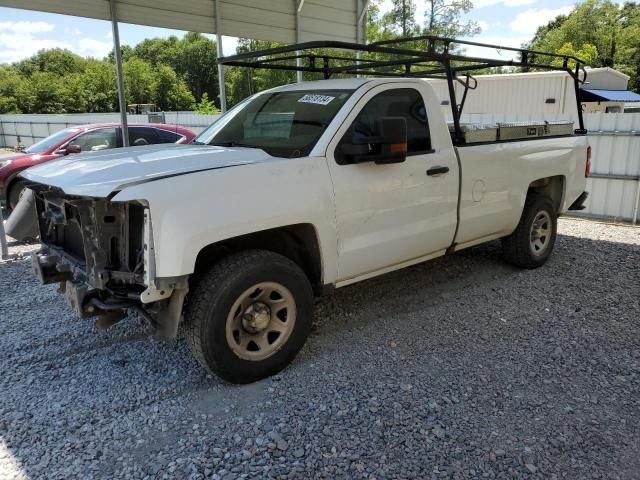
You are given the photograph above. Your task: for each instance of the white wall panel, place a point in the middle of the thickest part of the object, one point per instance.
(615, 143)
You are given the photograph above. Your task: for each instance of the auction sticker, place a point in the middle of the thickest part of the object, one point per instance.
(317, 99)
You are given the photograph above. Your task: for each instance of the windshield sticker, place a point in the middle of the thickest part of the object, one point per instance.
(316, 99)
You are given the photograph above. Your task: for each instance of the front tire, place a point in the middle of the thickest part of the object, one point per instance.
(249, 315)
(15, 193)
(531, 244)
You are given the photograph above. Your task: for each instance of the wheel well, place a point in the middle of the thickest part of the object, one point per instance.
(9, 185)
(552, 187)
(297, 242)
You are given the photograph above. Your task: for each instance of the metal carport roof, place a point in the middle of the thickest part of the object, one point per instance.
(286, 21)
(594, 95)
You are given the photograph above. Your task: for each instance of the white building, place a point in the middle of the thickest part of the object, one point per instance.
(541, 93)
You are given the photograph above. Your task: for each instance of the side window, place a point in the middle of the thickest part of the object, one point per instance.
(167, 136)
(401, 102)
(139, 136)
(95, 140)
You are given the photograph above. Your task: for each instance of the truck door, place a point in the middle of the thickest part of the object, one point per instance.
(391, 214)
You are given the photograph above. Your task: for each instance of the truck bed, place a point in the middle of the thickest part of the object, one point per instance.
(495, 177)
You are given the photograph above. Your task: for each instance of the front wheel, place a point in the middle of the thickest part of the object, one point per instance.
(531, 244)
(249, 315)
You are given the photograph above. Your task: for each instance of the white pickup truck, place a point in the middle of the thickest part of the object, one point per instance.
(293, 192)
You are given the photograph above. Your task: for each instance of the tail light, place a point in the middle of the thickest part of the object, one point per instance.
(587, 168)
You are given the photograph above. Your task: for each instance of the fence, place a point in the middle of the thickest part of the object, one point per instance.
(614, 186)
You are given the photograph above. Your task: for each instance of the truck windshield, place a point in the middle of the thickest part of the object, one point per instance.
(284, 124)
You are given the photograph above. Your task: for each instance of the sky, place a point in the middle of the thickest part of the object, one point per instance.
(24, 32)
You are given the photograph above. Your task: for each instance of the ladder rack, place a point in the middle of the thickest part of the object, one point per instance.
(414, 57)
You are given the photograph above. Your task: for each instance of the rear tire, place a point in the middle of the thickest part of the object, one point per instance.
(249, 315)
(531, 244)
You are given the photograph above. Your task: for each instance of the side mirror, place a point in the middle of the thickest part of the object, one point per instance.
(390, 146)
(73, 149)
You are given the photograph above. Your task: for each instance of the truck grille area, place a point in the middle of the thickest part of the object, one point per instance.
(98, 241)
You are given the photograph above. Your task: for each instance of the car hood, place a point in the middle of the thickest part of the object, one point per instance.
(99, 174)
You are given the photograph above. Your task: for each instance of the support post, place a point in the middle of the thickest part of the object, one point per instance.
(122, 100)
(454, 104)
(576, 87)
(222, 86)
(361, 33)
(4, 248)
(299, 5)
(636, 205)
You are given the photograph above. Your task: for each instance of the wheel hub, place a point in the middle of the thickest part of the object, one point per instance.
(261, 321)
(540, 233)
(256, 317)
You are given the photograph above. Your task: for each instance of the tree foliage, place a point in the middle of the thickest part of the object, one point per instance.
(441, 18)
(603, 33)
(206, 106)
(166, 72)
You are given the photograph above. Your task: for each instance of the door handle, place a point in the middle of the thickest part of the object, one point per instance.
(437, 171)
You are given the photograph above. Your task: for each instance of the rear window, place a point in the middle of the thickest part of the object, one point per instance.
(168, 137)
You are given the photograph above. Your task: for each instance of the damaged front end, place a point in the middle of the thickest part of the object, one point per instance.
(101, 254)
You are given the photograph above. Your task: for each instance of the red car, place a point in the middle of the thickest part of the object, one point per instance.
(80, 139)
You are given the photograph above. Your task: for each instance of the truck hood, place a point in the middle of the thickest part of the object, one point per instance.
(99, 174)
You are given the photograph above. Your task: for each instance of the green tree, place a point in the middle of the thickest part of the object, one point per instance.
(74, 93)
(100, 87)
(56, 60)
(627, 57)
(242, 82)
(196, 64)
(138, 81)
(604, 33)
(206, 106)
(444, 18)
(10, 84)
(171, 93)
(158, 51)
(43, 92)
(401, 18)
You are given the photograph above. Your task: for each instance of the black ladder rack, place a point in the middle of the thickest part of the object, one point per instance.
(414, 57)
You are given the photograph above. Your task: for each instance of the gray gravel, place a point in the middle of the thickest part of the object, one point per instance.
(459, 368)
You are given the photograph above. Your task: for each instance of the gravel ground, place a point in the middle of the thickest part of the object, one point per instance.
(459, 368)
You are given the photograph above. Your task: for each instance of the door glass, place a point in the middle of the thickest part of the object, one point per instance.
(168, 137)
(96, 140)
(139, 136)
(401, 102)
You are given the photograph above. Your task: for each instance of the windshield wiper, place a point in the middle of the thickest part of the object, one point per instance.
(232, 144)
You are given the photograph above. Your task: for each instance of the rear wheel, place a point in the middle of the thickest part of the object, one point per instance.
(249, 315)
(16, 191)
(531, 244)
